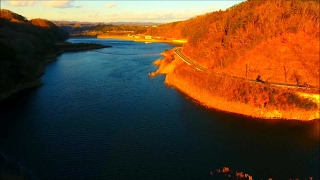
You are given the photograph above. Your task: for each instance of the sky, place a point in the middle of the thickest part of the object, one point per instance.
(115, 11)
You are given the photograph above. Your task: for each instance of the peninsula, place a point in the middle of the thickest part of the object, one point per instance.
(257, 58)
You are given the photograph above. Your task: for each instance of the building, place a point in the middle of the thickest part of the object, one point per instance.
(147, 37)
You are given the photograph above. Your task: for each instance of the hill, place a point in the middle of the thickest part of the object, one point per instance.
(23, 47)
(93, 29)
(277, 41)
(227, 40)
(26, 46)
(11, 16)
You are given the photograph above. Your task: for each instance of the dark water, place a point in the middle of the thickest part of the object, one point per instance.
(98, 115)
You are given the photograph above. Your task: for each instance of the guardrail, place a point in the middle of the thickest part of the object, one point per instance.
(190, 62)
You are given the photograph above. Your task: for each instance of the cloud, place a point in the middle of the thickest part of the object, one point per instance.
(59, 4)
(21, 3)
(110, 5)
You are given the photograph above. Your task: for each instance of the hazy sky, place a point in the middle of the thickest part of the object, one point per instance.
(114, 11)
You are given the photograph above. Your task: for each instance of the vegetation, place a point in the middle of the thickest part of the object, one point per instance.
(274, 39)
(265, 41)
(236, 90)
(96, 29)
(23, 45)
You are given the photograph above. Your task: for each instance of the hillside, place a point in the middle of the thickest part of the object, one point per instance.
(12, 17)
(227, 40)
(277, 41)
(23, 47)
(93, 29)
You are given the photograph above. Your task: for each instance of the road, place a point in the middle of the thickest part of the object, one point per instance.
(197, 66)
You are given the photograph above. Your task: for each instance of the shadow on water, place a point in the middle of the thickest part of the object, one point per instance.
(263, 148)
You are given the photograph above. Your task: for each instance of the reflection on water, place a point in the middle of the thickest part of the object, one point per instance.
(99, 115)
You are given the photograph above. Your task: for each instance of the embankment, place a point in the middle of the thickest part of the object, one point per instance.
(235, 96)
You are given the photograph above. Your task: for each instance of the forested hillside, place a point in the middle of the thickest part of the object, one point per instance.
(23, 46)
(276, 39)
(95, 29)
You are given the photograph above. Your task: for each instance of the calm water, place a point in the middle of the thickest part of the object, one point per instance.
(99, 115)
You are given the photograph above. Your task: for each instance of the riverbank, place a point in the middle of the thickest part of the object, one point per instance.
(138, 39)
(14, 93)
(232, 96)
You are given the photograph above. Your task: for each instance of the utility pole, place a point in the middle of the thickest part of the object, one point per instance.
(286, 73)
(247, 69)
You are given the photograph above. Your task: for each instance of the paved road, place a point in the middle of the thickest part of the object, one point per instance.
(188, 60)
(201, 68)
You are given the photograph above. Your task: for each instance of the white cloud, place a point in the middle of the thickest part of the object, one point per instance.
(110, 5)
(21, 3)
(59, 4)
(46, 3)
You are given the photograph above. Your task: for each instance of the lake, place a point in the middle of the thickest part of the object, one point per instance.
(99, 116)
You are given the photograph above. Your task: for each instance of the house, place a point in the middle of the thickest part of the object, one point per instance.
(147, 37)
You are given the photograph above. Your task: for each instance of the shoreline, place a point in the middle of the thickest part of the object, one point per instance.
(222, 105)
(16, 92)
(129, 38)
(205, 98)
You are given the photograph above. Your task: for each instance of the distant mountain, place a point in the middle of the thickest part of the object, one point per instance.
(79, 28)
(135, 23)
(96, 23)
